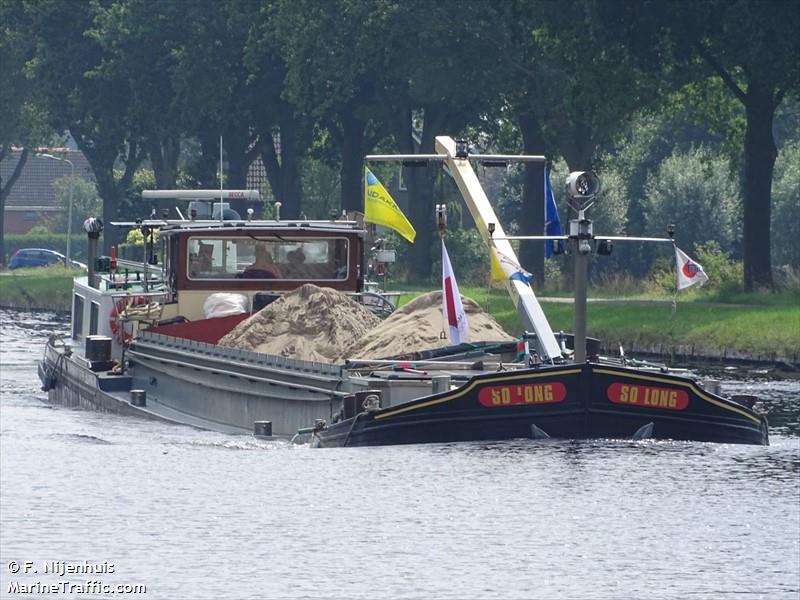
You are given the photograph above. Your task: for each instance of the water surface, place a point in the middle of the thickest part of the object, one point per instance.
(195, 515)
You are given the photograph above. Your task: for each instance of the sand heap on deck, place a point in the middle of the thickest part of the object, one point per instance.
(324, 325)
(309, 323)
(417, 325)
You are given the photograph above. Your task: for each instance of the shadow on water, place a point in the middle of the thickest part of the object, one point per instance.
(79, 437)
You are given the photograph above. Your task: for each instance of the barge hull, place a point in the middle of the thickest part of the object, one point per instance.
(588, 401)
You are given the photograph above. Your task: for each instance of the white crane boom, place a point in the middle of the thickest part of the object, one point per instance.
(528, 307)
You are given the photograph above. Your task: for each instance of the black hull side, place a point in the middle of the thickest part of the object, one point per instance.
(577, 402)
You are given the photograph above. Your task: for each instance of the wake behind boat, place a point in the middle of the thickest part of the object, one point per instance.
(146, 337)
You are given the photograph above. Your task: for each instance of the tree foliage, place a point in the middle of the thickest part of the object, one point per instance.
(786, 208)
(648, 93)
(85, 201)
(694, 191)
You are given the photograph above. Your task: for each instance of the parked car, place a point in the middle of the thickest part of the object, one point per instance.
(40, 257)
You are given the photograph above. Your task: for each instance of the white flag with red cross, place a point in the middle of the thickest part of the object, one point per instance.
(451, 302)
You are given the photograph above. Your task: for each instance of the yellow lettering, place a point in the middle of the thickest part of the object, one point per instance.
(528, 395)
(548, 393)
(495, 397)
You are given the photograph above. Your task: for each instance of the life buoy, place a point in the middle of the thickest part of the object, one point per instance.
(114, 321)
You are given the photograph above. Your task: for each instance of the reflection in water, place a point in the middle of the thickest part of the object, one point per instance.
(780, 398)
(196, 514)
(783, 467)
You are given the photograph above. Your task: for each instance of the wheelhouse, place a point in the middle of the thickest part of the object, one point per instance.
(186, 261)
(260, 257)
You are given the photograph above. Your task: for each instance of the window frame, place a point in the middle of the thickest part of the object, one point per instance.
(281, 239)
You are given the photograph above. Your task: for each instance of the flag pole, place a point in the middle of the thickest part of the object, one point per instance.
(677, 289)
(441, 224)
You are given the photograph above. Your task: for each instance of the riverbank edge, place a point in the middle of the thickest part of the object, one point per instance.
(59, 310)
(674, 353)
(685, 354)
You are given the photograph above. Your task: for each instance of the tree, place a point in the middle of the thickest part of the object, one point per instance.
(285, 133)
(786, 197)
(335, 73)
(94, 104)
(85, 201)
(23, 121)
(695, 192)
(753, 47)
(434, 47)
(572, 87)
(138, 41)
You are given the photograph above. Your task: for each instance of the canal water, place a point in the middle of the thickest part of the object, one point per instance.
(192, 515)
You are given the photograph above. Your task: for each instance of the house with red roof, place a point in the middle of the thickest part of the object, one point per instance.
(33, 198)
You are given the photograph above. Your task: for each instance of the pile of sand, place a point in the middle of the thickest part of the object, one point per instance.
(309, 323)
(324, 325)
(417, 325)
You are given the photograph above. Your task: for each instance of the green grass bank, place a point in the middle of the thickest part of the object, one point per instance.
(42, 288)
(764, 327)
(759, 326)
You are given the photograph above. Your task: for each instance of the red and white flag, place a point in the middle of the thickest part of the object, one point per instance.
(689, 272)
(451, 302)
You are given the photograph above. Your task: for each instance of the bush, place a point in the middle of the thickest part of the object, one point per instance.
(785, 232)
(468, 255)
(696, 192)
(724, 274)
(85, 203)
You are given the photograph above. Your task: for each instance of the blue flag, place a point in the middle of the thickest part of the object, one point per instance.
(552, 224)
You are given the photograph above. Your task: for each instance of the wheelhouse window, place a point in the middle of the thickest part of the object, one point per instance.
(94, 312)
(303, 259)
(77, 317)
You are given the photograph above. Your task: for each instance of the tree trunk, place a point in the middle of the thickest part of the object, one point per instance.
(109, 190)
(420, 182)
(207, 165)
(164, 158)
(4, 192)
(290, 190)
(532, 220)
(284, 174)
(419, 254)
(760, 153)
(352, 147)
(236, 175)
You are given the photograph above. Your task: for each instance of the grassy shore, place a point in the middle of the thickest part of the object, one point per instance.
(43, 288)
(756, 325)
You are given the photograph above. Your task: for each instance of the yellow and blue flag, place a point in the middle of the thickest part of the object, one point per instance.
(504, 268)
(381, 209)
